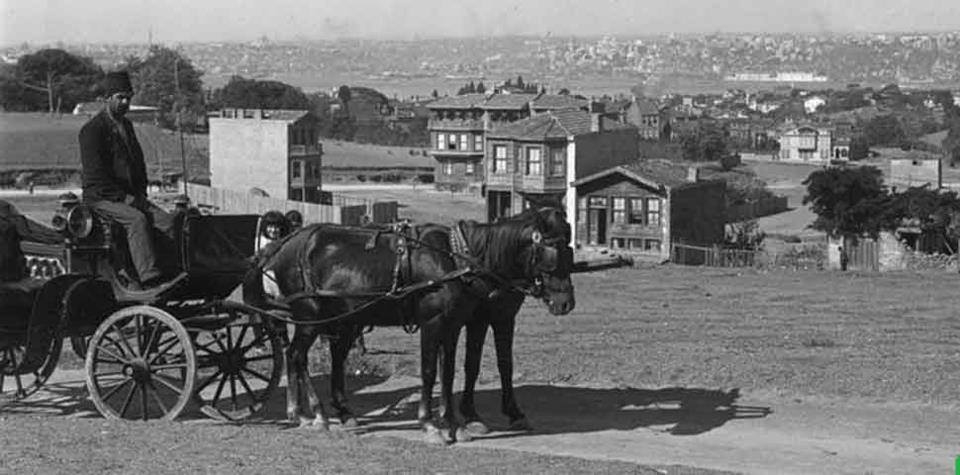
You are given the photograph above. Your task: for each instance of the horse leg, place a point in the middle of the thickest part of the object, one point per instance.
(303, 339)
(503, 342)
(429, 344)
(339, 349)
(476, 334)
(294, 410)
(447, 372)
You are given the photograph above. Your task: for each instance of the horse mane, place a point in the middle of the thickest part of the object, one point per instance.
(496, 246)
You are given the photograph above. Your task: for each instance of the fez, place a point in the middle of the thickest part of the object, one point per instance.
(117, 81)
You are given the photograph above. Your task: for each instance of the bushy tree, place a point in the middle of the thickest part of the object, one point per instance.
(256, 94)
(850, 202)
(859, 148)
(155, 83)
(884, 130)
(62, 78)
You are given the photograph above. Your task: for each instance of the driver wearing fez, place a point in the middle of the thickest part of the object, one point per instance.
(115, 177)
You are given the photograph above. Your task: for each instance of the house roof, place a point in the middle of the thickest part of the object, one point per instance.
(508, 101)
(285, 115)
(559, 102)
(464, 101)
(654, 173)
(552, 124)
(647, 107)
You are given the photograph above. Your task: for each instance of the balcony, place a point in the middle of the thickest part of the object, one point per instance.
(456, 124)
(456, 153)
(526, 183)
(305, 150)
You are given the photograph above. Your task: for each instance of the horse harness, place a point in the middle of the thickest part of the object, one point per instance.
(469, 270)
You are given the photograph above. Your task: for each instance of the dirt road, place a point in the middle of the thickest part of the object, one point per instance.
(629, 425)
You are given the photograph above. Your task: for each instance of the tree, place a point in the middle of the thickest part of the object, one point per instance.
(481, 88)
(859, 148)
(435, 94)
(344, 94)
(849, 202)
(254, 94)
(564, 92)
(64, 78)
(705, 144)
(520, 82)
(167, 80)
(884, 130)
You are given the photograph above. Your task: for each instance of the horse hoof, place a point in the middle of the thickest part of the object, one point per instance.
(434, 436)
(462, 434)
(521, 424)
(477, 428)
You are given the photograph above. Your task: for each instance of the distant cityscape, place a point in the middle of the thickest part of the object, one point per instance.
(928, 59)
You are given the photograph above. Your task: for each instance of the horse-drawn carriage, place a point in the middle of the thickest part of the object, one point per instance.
(150, 353)
(147, 353)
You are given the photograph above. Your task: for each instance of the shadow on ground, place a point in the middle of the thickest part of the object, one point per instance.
(551, 409)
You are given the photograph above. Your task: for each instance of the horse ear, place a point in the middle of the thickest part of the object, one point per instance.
(536, 237)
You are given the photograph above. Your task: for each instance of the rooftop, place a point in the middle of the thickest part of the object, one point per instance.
(465, 101)
(553, 124)
(559, 102)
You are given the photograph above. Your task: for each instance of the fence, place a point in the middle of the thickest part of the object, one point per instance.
(233, 201)
(712, 256)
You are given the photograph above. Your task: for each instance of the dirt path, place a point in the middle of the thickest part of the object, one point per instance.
(798, 436)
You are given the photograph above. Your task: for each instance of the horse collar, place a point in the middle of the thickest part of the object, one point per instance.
(458, 243)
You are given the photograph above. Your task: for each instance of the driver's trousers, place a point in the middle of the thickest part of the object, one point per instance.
(136, 218)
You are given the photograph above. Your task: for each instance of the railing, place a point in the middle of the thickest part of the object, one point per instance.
(301, 150)
(712, 256)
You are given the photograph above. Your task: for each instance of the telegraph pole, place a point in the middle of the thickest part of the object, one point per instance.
(176, 106)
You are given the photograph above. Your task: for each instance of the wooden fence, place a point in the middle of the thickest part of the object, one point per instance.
(712, 256)
(233, 201)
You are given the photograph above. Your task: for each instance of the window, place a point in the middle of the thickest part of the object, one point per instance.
(447, 168)
(598, 202)
(651, 245)
(534, 164)
(471, 167)
(441, 141)
(463, 142)
(635, 243)
(619, 210)
(636, 211)
(452, 142)
(478, 143)
(557, 161)
(653, 211)
(500, 159)
(296, 169)
(582, 210)
(618, 243)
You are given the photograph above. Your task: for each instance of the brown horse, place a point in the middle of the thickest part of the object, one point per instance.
(340, 279)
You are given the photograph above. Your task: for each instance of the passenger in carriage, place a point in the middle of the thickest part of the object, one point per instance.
(14, 228)
(115, 178)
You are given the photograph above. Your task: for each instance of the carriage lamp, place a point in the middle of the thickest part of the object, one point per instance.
(79, 222)
(67, 202)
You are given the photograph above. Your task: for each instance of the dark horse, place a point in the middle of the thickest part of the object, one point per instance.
(340, 279)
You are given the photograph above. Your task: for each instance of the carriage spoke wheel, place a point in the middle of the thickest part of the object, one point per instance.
(239, 367)
(15, 384)
(140, 365)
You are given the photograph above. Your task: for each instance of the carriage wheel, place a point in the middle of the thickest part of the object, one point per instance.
(15, 385)
(141, 365)
(239, 367)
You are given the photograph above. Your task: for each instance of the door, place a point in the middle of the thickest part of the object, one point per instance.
(597, 226)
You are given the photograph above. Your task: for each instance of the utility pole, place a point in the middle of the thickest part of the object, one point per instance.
(176, 107)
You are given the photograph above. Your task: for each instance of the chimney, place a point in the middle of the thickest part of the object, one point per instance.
(596, 122)
(693, 174)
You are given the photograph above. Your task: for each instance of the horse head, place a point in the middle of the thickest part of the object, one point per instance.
(547, 258)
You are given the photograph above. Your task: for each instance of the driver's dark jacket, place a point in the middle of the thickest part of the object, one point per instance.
(113, 166)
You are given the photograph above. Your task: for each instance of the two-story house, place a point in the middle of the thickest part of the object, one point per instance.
(456, 127)
(807, 144)
(648, 117)
(533, 161)
(277, 151)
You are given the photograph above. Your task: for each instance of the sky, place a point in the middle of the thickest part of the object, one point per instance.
(132, 21)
